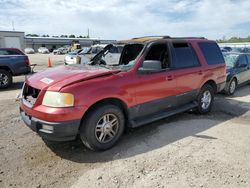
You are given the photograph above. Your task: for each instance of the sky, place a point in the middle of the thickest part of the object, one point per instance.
(122, 19)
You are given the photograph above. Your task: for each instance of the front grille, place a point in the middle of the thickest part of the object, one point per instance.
(30, 94)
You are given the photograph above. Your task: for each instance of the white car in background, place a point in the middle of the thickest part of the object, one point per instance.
(29, 50)
(87, 53)
(43, 50)
(60, 51)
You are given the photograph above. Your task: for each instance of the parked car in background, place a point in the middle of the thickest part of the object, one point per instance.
(13, 62)
(227, 48)
(87, 53)
(29, 50)
(238, 70)
(43, 50)
(155, 77)
(60, 51)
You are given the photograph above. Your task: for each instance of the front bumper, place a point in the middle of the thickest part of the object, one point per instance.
(54, 131)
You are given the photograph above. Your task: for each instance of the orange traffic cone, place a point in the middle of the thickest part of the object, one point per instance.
(49, 62)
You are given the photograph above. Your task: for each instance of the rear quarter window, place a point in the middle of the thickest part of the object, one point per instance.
(211, 52)
(10, 52)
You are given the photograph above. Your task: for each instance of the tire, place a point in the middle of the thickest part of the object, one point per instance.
(96, 134)
(5, 79)
(232, 87)
(205, 99)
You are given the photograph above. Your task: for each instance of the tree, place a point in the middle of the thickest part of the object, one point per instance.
(72, 36)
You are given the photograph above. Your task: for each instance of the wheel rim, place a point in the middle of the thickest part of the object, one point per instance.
(3, 79)
(206, 100)
(106, 128)
(232, 86)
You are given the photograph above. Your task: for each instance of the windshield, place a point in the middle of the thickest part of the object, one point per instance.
(122, 61)
(231, 59)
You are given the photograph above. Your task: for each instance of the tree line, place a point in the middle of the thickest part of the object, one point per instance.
(234, 39)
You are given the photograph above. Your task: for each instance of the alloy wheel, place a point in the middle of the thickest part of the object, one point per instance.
(206, 99)
(106, 128)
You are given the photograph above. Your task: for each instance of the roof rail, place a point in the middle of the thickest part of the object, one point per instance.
(187, 38)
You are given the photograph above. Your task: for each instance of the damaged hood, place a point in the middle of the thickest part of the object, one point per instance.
(57, 78)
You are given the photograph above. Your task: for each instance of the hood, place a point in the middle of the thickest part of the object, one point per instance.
(57, 78)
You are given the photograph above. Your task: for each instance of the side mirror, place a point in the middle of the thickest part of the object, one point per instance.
(150, 66)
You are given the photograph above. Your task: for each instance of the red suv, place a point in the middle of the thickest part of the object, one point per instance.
(155, 77)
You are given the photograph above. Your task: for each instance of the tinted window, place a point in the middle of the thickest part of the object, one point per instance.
(184, 56)
(242, 60)
(211, 52)
(9, 52)
(248, 58)
(3, 52)
(113, 50)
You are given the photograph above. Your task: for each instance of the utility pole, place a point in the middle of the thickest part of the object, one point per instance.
(13, 27)
(88, 33)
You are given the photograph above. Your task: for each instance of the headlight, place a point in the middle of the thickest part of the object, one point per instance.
(57, 99)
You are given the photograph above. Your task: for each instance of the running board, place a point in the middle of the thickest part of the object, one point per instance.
(149, 119)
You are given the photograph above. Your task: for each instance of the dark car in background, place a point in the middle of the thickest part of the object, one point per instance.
(13, 62)
(238, 70)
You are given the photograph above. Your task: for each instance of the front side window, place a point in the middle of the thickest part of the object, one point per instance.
(184, 56)
(159, 52)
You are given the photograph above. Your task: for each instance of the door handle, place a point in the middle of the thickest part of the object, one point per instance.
(169, 78)
(200, 72)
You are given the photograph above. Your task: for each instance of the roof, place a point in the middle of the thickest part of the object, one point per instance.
(154, 38)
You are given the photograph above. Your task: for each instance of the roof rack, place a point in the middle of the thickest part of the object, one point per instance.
(159, 36)
(168, 37)
(187, 38)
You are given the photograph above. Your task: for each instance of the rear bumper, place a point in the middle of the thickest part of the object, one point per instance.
(221, 86)
(54, 131)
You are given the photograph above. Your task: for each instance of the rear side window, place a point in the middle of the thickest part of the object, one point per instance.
(4, 52)
(184, 56)
(211, 52)
(242, 60)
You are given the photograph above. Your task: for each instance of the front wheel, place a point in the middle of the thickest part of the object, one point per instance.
(5, 79)
(102, 127)
(205, 99)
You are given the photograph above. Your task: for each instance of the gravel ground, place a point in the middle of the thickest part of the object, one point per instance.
(186, 150)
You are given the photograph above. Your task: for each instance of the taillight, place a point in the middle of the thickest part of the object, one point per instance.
(26, 60)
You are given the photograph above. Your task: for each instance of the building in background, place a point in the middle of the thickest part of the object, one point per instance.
(12, 39)
(16, 39)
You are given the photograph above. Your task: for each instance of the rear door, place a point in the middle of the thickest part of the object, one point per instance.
(187, 72)
(248, 67)
(242, 69)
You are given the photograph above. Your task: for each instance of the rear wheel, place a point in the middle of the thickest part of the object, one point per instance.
(102, 127)
(232, 87)
(5, 79)
(205, 99)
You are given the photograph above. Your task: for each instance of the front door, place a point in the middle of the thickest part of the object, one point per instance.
(155, 91)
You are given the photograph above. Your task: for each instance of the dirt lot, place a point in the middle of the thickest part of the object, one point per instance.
(186, 150)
